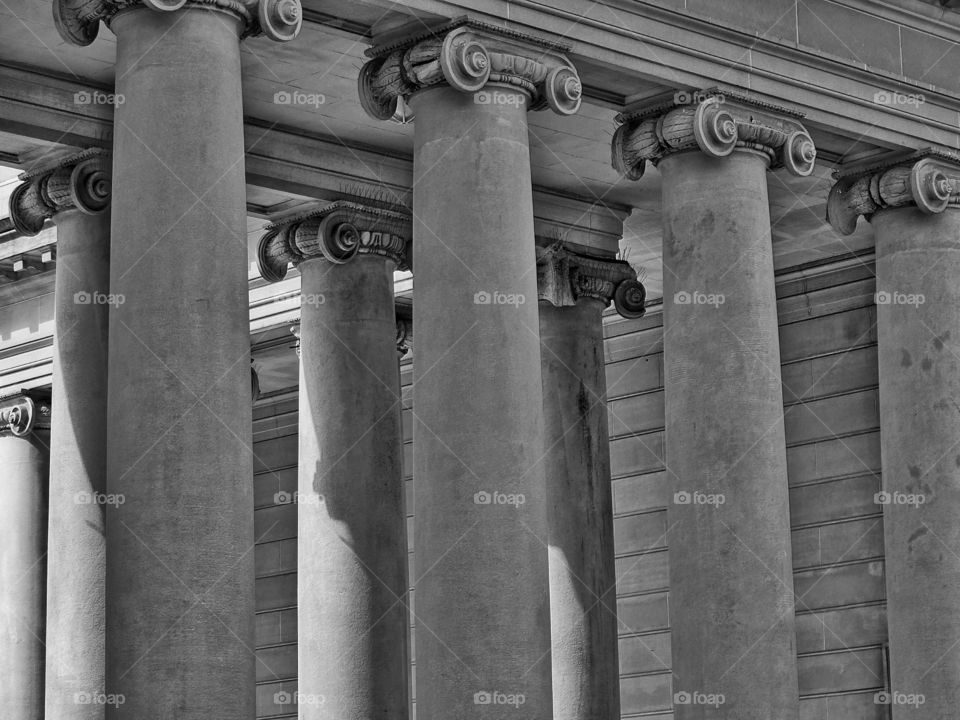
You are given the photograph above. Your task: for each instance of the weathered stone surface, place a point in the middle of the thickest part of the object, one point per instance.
(918, 258)
(180, 560)
(583, 620)
(76, 559)
(478, 433)
(352, 606)
(732, 614)
(24, 443)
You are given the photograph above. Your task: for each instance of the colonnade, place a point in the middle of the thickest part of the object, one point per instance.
(151, 598)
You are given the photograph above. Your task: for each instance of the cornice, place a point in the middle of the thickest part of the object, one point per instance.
(78, 21)
(716, 121)
(23, 412)
(927, 179)
(336, 232)
(80, 181)
(467, 55)
(564, 277)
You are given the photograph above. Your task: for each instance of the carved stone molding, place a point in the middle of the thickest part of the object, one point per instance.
(336, 232)
(78, 21)
(468, 56)
(716, 122)
(563, 277)
(23, 412)
(927, 179)
(81, 182)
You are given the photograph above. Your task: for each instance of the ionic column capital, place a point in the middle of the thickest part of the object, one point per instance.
(715, 121)
(564, 277)
(927, 179)
(80, 181)
(337, 232)
(468, 55)
(78, 21)
(23, 412)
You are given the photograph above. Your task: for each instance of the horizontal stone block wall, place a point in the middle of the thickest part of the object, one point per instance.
(828, 345)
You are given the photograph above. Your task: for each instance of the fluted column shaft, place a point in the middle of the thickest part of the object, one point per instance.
(23, 567)
(731, 575)
(914, 206)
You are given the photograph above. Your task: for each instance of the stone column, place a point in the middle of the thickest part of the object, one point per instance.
(482, 605)
(913, 202)
(24, 443)
(75, 192)
(353, 621)
(731, 574)
(179, 575)
(573, 291)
